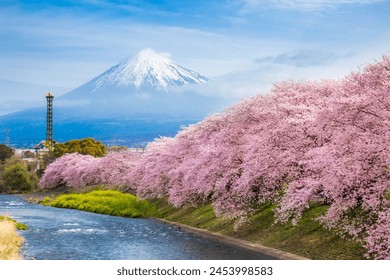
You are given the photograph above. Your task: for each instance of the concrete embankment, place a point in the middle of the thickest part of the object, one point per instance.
(237, 242)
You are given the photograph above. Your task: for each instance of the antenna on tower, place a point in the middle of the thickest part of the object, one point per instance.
(49, 121)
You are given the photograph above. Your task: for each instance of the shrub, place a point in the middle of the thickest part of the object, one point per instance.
(17, 177)
(5, 152)
(85, 146)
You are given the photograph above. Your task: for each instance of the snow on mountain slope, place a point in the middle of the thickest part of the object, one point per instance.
(144, 87)
(148, 70)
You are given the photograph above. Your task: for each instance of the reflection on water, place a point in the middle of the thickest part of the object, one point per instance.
(65, 234)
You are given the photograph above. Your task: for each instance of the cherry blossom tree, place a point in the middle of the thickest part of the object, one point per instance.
(350, 169)
(73, 170)
(77, 171)
(306, 142)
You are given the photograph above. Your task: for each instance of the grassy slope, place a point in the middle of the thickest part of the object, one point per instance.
(10, 241)
(308, 238)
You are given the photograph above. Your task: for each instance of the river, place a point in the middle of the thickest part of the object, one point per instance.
(66, 234)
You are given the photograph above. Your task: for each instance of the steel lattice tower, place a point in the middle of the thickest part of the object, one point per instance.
(49, 120)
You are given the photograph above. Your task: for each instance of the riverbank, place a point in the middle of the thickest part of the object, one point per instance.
(278, 254)
(67, 234)
(307, 239)
(10, 241)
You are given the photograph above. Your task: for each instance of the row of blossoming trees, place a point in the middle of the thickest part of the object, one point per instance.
(322, 142)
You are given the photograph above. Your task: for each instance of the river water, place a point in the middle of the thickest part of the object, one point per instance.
(65, 234)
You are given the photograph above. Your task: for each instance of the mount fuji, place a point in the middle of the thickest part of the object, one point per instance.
(148, 70)
(131, 103)
(148, 85)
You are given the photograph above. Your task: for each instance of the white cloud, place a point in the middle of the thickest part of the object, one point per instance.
(300, 65)
(15, 96)
(302, 5)
(70, 50)
(304, 58)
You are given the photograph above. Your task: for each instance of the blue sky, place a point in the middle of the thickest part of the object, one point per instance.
(244, 45)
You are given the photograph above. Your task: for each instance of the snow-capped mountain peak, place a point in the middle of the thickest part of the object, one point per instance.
(149, 70)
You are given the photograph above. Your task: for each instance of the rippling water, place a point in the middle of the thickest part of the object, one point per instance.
(64, 234)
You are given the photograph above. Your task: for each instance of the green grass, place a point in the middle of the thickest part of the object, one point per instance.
(108, 202)
(18, 225)
(308, 238)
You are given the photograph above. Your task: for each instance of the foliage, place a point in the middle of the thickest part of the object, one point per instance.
(46, 201)
(5, 152)
(28, 154)
(107, 202)
(85, 146)
(18, 225)
(322, 141)
(111, 149)
(17, 177)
